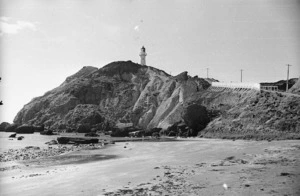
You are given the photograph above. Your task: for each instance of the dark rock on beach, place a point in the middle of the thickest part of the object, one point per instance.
(52, 142)
(13, 135)
(20, 137)
(75, 140)
(47, 132)
(91, 134)
(25, 129)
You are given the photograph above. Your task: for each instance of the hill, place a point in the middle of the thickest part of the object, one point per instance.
(125, 94)
(120, 92)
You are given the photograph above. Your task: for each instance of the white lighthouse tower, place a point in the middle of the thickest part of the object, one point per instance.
(143, 55)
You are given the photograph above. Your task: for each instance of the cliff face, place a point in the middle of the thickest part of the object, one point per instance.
(146, 97)
(122, 92)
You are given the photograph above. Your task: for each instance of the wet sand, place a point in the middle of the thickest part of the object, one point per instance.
(191, 167)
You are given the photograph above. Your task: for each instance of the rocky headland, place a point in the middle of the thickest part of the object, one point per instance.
(125, 96)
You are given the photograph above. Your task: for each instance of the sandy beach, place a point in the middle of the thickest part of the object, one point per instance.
(185, 167)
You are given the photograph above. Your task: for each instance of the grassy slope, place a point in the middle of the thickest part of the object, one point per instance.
(251, 115)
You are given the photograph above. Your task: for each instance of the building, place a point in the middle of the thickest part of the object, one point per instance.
(143, 55)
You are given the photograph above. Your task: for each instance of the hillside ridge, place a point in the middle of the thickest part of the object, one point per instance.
(126, 93)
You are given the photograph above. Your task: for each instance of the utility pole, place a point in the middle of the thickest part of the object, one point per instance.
(207, 72)
(242, 75)
(287, 79)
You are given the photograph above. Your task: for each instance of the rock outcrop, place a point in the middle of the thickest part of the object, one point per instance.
(3, 126)
(25, 129)
(11, 127)
(120, 92)
(144, 99)
(74, 140)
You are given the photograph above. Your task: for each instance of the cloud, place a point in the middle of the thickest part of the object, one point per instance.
(137, 28)
(9, 27)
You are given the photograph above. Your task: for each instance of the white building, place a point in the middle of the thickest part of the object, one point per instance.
(143, 55)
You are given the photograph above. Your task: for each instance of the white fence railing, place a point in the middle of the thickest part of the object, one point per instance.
(236, 86)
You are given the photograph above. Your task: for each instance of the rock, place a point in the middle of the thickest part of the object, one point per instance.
(123, 132)
(182, 76)
(155, 135)
(178, 129)
(32, 147)
(11, 128)
(52, 142)
(47, 132)
(119, 91)
(66, 140)
(63, 140)
(13, 135)
(146, 97)
(25, 129)
(3, 126)
(91, 134)
(20, 137)
(39, 128)
(83, 128)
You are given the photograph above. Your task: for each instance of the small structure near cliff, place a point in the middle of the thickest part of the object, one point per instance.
(235, 86)
(143, 55)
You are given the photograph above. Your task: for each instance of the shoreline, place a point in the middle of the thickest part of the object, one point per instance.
(190, 167)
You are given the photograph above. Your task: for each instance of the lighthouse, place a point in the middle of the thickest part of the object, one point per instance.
(143, 55)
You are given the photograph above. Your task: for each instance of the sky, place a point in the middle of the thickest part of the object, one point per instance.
(42, 42)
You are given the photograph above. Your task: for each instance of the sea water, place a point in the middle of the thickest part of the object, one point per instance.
(35, 139)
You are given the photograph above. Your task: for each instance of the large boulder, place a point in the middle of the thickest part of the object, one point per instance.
(13, 135)
(52, 142)
(83, 129)
(75, 140)
(47, 132)
(177, 129)
(153, 131)
(27, 129)
(123, 132)
(11, 127)
(91, 134)
(3, 126)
